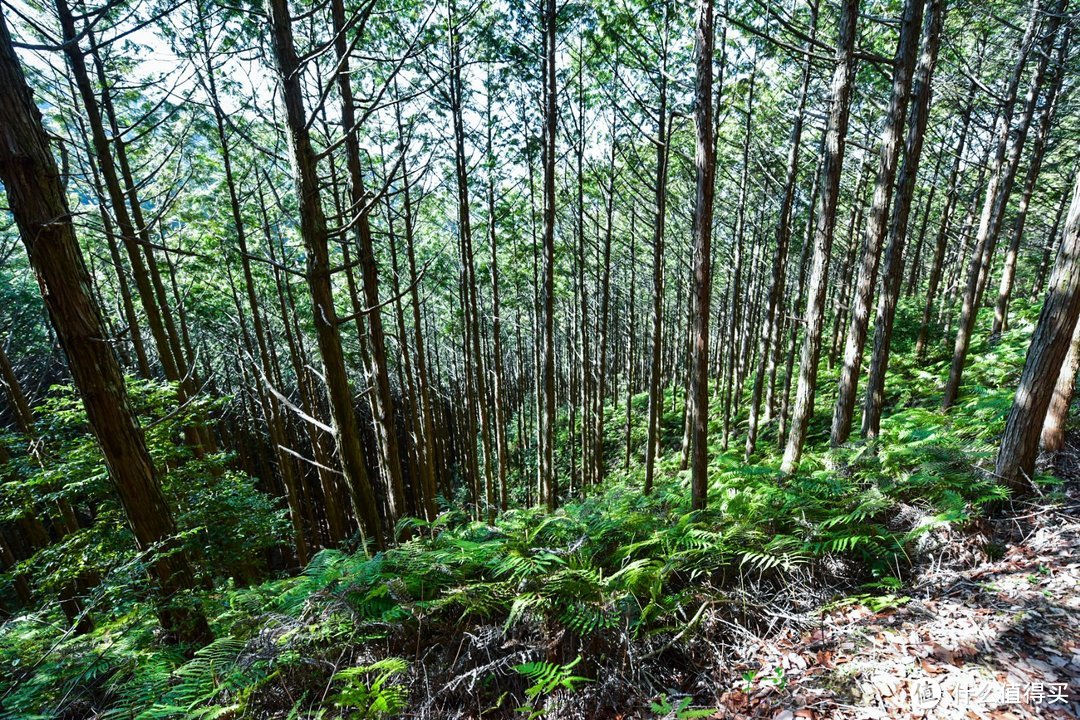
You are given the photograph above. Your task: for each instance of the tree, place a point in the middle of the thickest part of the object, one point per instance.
(705, 161)
(1052, 438)
(358, 217)
(1050, 344)
(770, 334)
(877, 222)
(547, 293)
(829, 180)
(893, 274)
(127, 211)
(952, 196)
(662, 147)
(313, 229)
(1003, 168)
(735, 310)
(1038, 151)
(271, 405)
(37, 200)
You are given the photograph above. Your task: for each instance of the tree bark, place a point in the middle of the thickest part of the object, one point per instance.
(705, 160)
(547, 295)
(1043, 367)
(37, 200)
(832, 164)
(313, 230)
(659, 216)
(1052, 437)
(893, 274)
(584, 353)
(631, 331)
(877, 221)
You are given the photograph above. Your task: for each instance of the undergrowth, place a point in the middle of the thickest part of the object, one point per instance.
(615, 599)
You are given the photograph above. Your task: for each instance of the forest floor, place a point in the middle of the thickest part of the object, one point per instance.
(876, 583)
(973, 637)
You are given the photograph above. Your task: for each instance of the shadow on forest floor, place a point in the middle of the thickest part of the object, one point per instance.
(996, 639)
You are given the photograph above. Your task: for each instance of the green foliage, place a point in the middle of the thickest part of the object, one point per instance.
(613, 563)
(546, 678)
(202, 688)
(221, 515)
(369, 691)
(680, 710)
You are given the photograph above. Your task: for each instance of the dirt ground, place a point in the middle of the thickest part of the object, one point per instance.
(973, 637)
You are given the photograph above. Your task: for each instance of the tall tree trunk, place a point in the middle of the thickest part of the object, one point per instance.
(345, 428)
(705, 160)
(499, 394)
(732, 386)
(659, 214)
(547, 295)
(1049, 345)
(22, 587)
(798, 296)
(1038, 150)
(1049, 244)
(186, 380)
(380, 397)
(128, 304)
(65, 521)
(332, 509)
(416, 488)
(133, 229)
(832, 164)
(915, 266)
(998, 189)
(21, 411)
(582, 316)
(847, 282)
(907, 48)
(631, 331)
(37, 199)
(967, 229)
(476, 366)
(952, 195)
(605, 305)
(428, 471)
(893, 274)
(770, 334)
(77, 63)
(271, 405)
(1052, 437)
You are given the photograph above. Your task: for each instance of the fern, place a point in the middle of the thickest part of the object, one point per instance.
(547, 677)
(369, 690)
